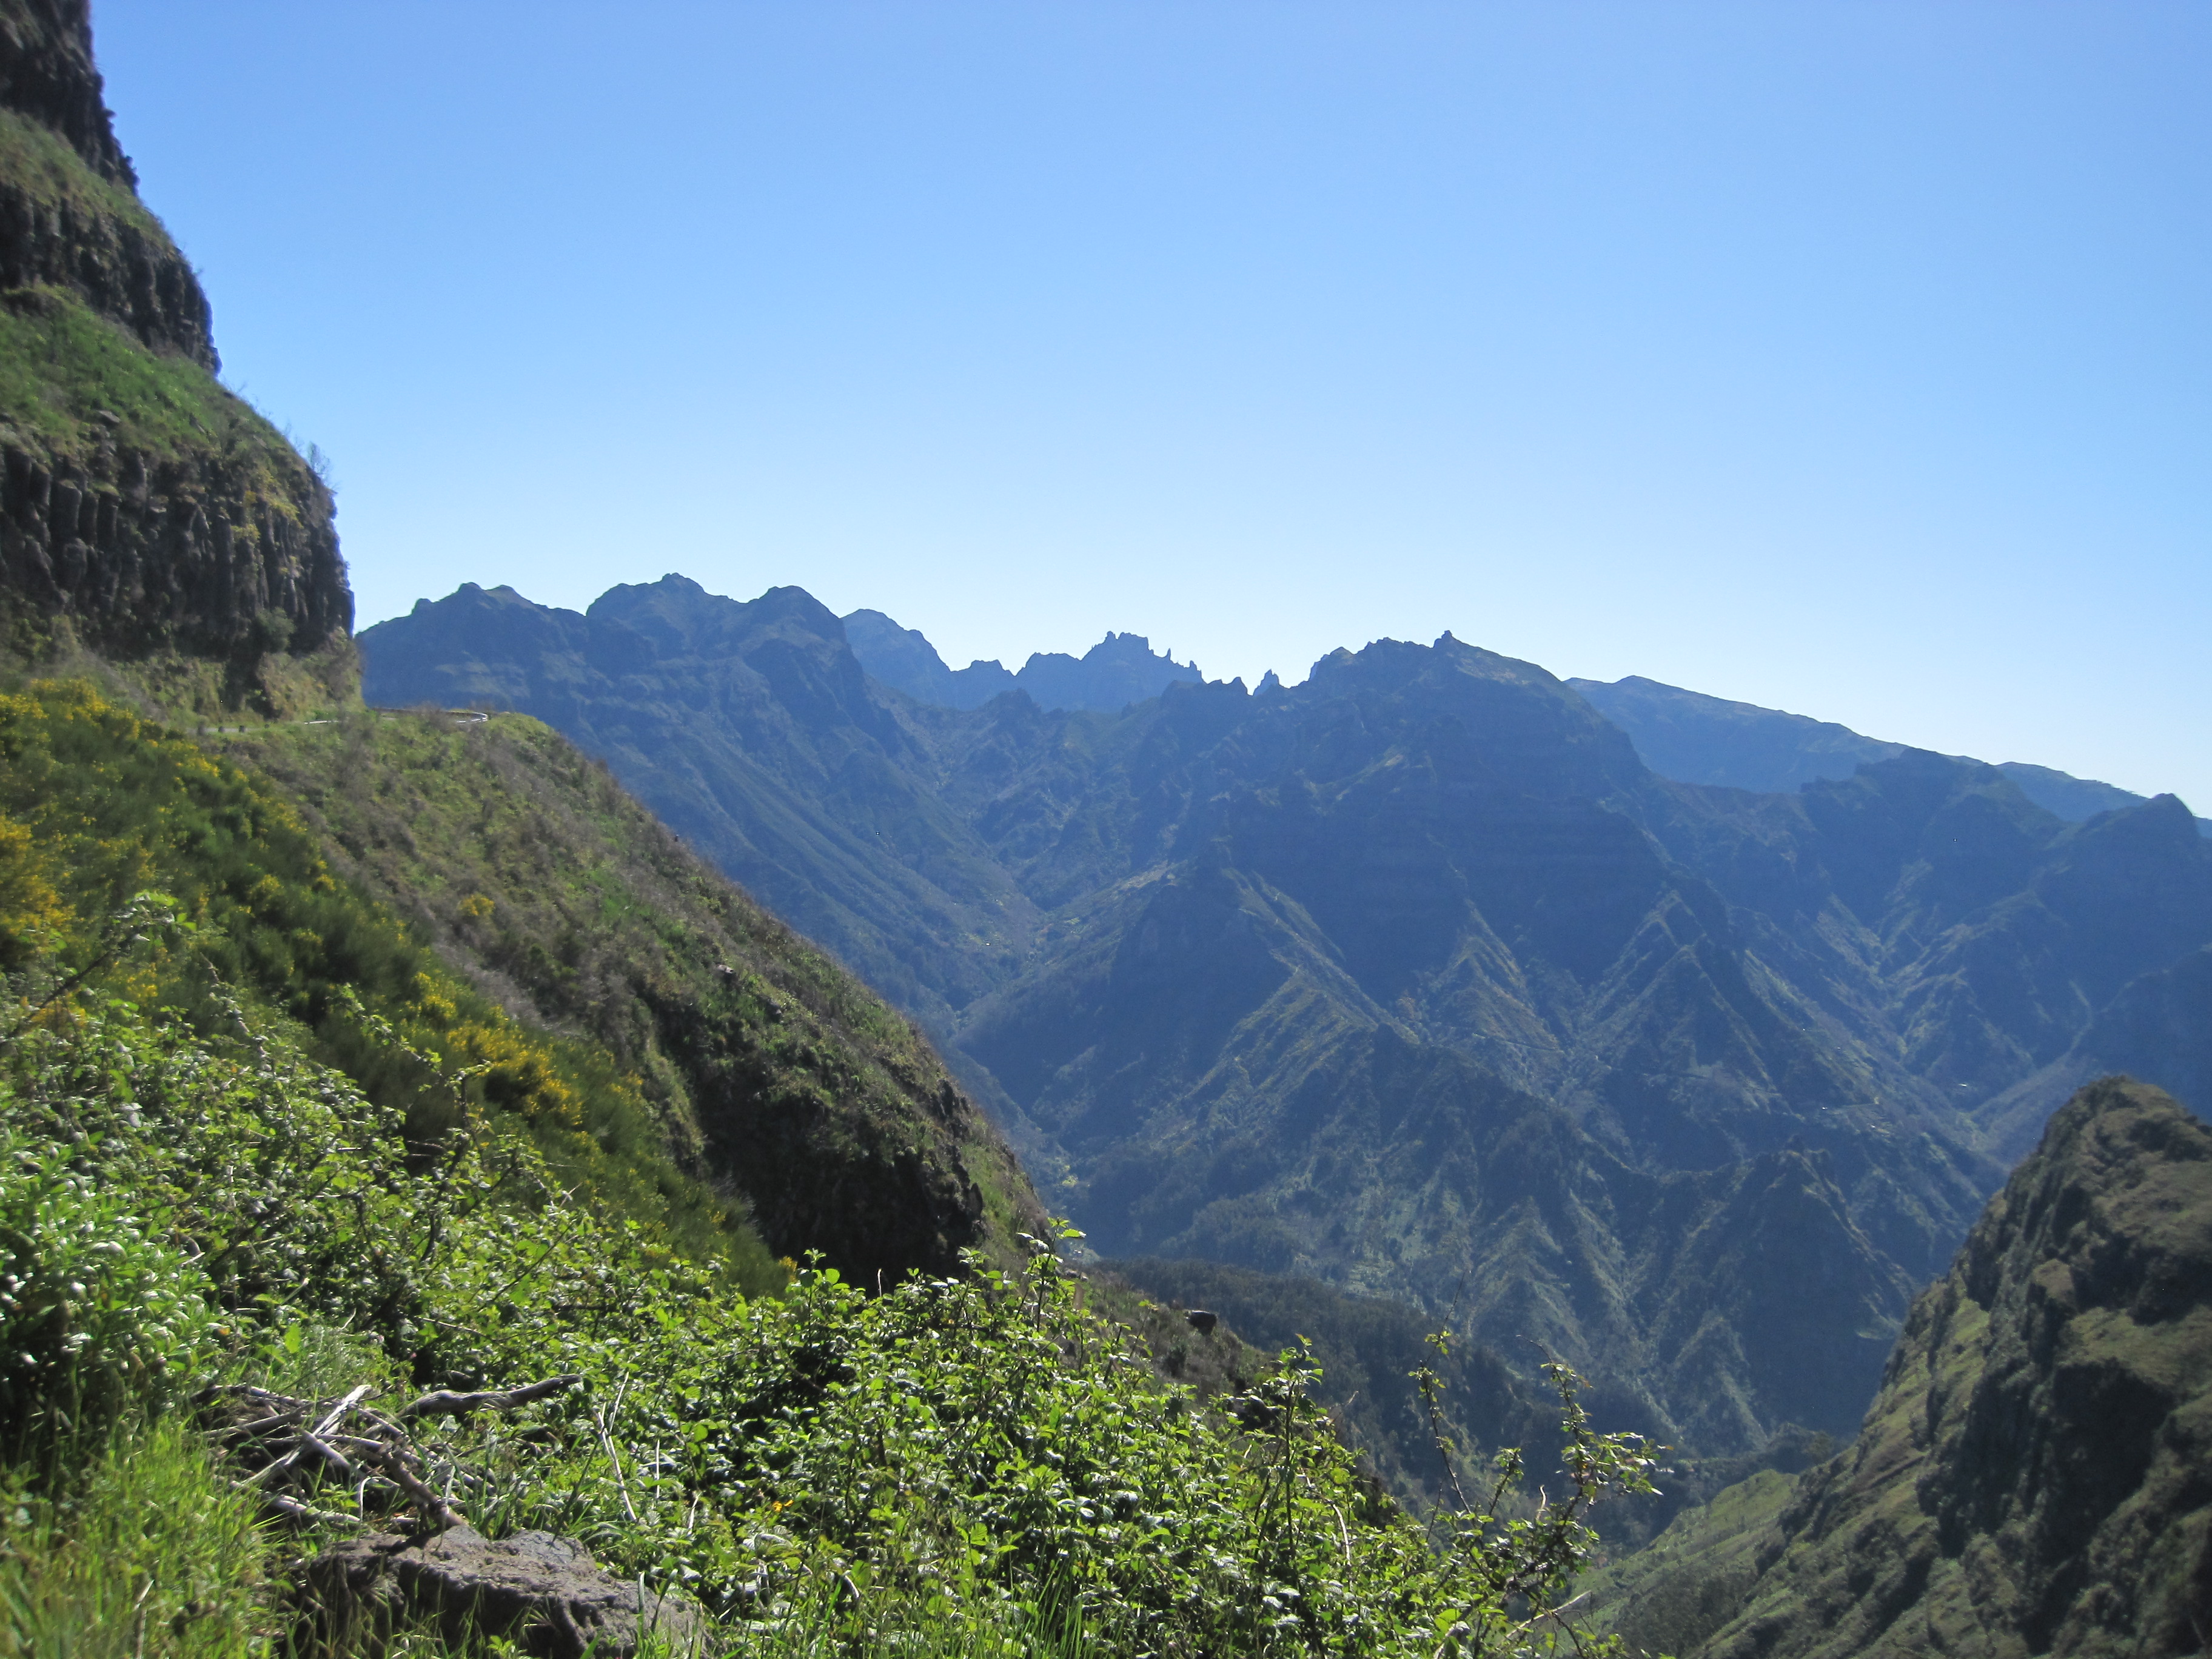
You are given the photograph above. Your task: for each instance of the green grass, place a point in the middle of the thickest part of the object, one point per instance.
(105, 805)
(61, 364)
(151, 1551)
(148, 1549)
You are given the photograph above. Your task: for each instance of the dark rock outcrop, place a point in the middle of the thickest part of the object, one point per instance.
(543, 1592)
(47, 72)
(191, 553)
(69, 214)
(119, 261)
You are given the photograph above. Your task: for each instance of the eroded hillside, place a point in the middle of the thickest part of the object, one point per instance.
(774, 1072)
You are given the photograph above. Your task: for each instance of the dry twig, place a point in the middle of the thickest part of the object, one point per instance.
(283, 1443)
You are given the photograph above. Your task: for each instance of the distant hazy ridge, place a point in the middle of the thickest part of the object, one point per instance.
(1695, 738)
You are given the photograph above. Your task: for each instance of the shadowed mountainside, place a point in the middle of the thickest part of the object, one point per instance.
(2031, 1477)
(1411, 978)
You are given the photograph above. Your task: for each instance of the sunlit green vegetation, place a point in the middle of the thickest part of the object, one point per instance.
(96, 805)
(956, 1460)
(252, 1131)
(759, 1055)
(62, 364)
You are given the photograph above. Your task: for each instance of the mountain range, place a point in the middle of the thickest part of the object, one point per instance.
(1683, 1039)
(1414, 977)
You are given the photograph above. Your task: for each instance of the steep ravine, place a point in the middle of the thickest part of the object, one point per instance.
(2032, 1477)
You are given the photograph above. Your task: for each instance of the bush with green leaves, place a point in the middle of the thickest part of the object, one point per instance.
(977, 1455)
(96, 1305)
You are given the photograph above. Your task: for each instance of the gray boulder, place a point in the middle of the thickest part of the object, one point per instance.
(545, 1593)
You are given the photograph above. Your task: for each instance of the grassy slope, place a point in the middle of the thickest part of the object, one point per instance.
(45, 166)
(1689, 1581)
(96, 806)
(62, 364)
(562, 897)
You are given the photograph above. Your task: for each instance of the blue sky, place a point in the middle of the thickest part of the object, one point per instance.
(1848, 358)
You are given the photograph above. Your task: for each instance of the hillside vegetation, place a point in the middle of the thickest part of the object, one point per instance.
(973, 1464)
(768, 1066)
(100, 805)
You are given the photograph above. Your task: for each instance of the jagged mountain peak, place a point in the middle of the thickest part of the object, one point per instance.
(1121, 669)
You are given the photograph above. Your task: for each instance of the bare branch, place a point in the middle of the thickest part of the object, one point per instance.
(444, 1400)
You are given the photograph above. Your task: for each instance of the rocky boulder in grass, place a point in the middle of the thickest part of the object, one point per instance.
(544, 1592)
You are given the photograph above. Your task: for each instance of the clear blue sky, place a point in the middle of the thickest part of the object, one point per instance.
(1850, 358)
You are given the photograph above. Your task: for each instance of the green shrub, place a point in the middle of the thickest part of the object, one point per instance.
(95, 1307)
(150, 1550)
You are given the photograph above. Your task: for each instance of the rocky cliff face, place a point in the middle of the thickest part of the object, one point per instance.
(206, 555)
(47, 72)
(2031, 1477)
(145, 512)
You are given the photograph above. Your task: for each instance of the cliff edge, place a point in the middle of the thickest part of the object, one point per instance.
(147, 513)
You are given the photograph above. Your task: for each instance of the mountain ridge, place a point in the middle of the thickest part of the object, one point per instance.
(1120, 670)
(1692, 737)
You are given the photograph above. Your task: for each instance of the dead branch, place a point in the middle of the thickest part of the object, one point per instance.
(443, 1401)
